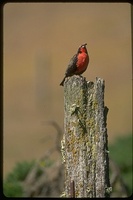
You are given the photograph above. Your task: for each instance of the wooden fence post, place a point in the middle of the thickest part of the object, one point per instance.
(84, 145)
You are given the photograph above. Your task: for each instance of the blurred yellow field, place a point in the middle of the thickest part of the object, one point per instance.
(39, 40)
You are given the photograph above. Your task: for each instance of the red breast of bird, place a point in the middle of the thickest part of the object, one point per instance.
(82, 62)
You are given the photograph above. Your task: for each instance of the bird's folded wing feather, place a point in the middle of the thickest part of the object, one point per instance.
(72, 66)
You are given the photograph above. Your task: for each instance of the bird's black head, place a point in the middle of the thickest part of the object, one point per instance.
(82, 48)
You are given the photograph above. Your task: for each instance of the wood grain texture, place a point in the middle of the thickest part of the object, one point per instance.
(85, 152)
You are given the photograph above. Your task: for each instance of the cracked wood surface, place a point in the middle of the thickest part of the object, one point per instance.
(85, 144)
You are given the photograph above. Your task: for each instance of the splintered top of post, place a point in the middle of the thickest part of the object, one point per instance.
(80, 81)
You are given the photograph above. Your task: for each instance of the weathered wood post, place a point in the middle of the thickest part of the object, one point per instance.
(84, 144)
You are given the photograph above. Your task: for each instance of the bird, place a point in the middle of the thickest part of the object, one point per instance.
(78, 63)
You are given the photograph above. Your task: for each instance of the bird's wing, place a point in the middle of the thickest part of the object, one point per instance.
(71, 66)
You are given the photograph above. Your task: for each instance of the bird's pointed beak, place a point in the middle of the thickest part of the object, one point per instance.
(83, 45)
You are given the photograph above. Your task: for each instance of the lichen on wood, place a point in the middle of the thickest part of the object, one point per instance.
(84, 144)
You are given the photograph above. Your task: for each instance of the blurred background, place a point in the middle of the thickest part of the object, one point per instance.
(39, 40)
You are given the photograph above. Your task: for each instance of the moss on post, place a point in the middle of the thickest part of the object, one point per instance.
(84, 144)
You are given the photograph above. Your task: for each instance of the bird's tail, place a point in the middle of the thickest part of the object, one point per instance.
(62, 82)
